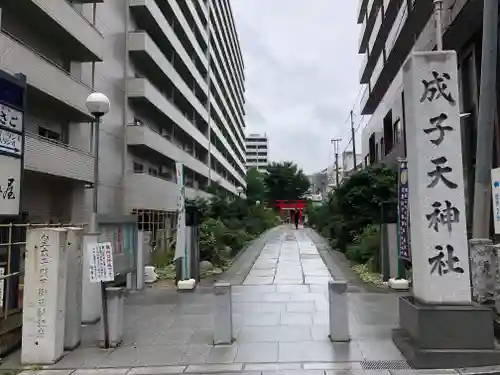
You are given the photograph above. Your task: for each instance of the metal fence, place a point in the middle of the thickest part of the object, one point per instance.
(161, 226)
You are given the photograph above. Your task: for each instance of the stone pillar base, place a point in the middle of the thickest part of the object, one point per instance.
(445, 336)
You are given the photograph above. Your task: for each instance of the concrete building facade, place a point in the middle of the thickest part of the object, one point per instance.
(173, 71)
(391, 29)
(257, 151)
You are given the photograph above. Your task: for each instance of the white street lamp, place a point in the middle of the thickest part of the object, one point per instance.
(98, 105)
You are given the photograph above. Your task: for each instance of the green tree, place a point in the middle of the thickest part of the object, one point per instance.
(359, 199)
(256, 187)
(285, 181)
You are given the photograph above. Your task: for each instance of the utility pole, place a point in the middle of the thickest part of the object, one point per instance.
(353, 132)
(486, 122)
(335, 143)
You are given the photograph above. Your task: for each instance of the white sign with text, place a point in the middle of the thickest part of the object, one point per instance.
(10, 185)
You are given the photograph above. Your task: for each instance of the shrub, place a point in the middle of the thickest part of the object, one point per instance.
(365, 245)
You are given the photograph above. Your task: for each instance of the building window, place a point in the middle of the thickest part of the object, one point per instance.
(49, 134)
(138, 167)
(153, 172)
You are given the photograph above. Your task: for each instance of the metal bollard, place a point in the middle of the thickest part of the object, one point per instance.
(223, 314)
(339, 317)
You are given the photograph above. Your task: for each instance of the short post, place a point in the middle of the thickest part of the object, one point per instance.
(74, 254)
(44, 298)
(223, 319)
(114, 303)
(482, 269)
(339, 317)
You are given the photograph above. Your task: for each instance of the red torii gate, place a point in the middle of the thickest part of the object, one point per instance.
(297, 205)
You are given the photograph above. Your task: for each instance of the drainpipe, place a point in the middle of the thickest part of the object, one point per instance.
(125, 104)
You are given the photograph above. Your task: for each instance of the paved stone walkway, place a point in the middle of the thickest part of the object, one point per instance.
(280, 315)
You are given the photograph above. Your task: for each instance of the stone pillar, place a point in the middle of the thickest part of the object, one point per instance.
(223, 317)
(74, 253)
(439, 326)
(44, 296)
(339, 317)
(482, 269)
(91, 292)
(114, 299)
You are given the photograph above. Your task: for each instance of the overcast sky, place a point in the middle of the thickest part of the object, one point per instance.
(301, 70)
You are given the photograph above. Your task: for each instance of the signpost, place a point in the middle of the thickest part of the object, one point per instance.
(404, 247)
(102, 271)
(438, 324)
(12, 108)
(495, 196)
(180, 246)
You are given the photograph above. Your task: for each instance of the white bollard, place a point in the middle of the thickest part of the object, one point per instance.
(115, 301)
(44, 298)
(223, 317)
(91, 292)
(339, 316)
(74, 254)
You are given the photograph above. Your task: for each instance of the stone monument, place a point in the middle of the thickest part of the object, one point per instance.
(439, 325)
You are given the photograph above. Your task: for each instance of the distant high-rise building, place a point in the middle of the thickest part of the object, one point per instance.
(257, 151)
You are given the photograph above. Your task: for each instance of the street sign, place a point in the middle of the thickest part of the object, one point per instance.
(11, 143)
(10, 185)
(12, 106)
(495, 196)
(11, 118)
(101, 262)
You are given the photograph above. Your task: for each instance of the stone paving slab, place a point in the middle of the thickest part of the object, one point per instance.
(322, 368)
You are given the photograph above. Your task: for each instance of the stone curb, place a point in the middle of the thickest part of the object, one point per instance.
(327, 368)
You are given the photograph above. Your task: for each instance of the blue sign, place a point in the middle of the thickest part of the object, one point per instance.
(404, 245)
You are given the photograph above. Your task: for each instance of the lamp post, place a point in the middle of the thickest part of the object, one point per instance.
(98, 105)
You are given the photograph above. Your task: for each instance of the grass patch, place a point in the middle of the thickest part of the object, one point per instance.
(367, 276)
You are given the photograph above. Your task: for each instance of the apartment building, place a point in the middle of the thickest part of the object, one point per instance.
(391, 29)
(257, 151)
(173, 71)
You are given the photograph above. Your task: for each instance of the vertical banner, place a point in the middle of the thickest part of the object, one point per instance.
(495, 195)
(403, 213)
(180, 246)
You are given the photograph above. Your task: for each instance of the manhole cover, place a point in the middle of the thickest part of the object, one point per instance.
(386, 365)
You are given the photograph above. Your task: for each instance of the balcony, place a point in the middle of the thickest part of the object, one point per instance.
(145, 52)
(149, 17)
(382, 28)
(47, 82)
(143, 191)
(70, 29)
(403, 43)
(146, 141)
(149, 99)
(58, 159)
(367, 27)
(362, 5)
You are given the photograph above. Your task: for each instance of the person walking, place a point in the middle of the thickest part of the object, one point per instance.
(296, 218)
